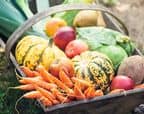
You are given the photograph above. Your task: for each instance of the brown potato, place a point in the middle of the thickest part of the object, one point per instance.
(133, 67)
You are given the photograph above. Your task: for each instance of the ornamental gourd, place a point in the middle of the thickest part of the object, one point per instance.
(33, 50)
(94, 67)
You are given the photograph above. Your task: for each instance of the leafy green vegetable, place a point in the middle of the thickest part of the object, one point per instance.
(93, 45)
(23, 7)
(8, 11)
(10, 18)
(128, 47)
(116, 53)
(13, 13)
(96, 34)
(99, 36)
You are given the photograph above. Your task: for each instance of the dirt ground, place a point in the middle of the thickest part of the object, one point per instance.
(132, 14)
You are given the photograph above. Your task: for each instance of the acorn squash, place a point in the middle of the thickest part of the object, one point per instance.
(94, 67)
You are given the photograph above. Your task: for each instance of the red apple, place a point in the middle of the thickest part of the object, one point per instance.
(75, 47)
(122, 82)
(63, 36)
(54, 69)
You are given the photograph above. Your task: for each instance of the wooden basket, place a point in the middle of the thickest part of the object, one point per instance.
(110, 104)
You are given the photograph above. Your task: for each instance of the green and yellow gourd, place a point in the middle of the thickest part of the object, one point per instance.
(33, 50)
(94, 67)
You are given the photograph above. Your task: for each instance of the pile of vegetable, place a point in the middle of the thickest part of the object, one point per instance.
(74, 63)
(80, 59)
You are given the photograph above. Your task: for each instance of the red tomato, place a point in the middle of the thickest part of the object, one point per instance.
(75, 47)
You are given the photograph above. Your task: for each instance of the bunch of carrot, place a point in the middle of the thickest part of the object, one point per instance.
(51, 90)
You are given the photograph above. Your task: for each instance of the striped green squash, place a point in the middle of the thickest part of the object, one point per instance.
(94, 67)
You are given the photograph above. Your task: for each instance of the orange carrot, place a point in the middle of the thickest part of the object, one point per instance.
(99, 92)
(35, 73)
(83, 83)
(25, 87)
(87, 93)
(78, 93)
(65, 79)
(22, 81)
(38, 82)
(47, 94)
(116, 91)
(45, 101)
(63, 86)
(139, 86)
(32, 95)
(44, 73)
(91, 92)
(25, 82)
(52, 79)
(56, 102)
(60, 96)
(68, 69)
(28, 72)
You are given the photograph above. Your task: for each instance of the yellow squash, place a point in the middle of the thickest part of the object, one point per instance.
(33, 50)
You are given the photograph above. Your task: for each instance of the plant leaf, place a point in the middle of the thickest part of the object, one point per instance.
(96, 37)
(99, 35)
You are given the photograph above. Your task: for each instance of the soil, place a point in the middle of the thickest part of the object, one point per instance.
(131, 13)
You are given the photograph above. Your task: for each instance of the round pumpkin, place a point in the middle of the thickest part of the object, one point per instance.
(33, 50)
(94, 67)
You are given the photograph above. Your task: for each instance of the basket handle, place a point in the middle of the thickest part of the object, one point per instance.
(52, 10)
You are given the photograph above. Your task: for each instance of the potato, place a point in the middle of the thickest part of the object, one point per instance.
(133, 67)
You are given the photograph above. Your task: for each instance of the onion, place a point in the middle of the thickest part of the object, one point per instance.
(122, 82)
